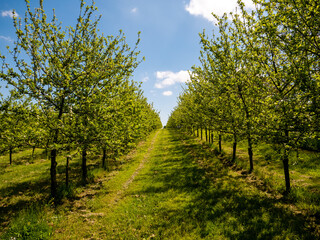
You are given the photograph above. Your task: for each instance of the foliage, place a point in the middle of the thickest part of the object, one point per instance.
(258, 79)
(79, 83)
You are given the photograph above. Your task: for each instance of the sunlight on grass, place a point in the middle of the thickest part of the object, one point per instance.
(170, 187)
(304, 173)
(183, 192)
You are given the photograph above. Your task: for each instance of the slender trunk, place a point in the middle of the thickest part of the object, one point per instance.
(201, 132)
(53, 173)
(104, 156)
(286, 171)
(250, 153)
(234, 147)
(220, 139)
(84, 166)
(206, 134)
(197, 132)
(33, 149)
(53, 157)
(286, 164)
(211, 137)
(10, 155)
(67, 171)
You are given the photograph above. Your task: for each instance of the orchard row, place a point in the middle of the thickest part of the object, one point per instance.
(259, 79)
(72, 90)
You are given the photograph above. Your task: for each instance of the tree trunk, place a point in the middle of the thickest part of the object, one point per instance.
(286, 164)
(33, 149)
(234, 147)
(197, 132)
(10, 155)
(53, 173)
(206, 135)
(220, 139)
(53, 157)
(104, 156)
(201, 132)
(67, 171)
(84, 166)
(250, 153)
(286, 172)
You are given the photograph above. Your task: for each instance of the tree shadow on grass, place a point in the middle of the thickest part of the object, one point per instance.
(15, 197)
(216, 204)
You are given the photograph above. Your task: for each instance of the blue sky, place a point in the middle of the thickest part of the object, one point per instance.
(169, 36)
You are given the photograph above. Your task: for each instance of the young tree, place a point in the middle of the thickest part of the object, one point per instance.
(61, 68)
(14, 123)
(282, 68)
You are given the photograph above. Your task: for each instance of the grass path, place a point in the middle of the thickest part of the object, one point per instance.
(119, 194)
(172, 188)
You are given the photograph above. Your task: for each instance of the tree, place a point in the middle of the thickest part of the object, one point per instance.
(14, 124)
(60, 68)
(289, 99)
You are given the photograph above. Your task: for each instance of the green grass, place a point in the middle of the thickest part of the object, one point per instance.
(182, 192)
(21, 183)
(304, 173)
(26, 183)
(171, 187)
(30, 223)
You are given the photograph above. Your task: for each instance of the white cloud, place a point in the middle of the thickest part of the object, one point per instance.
(9, 13)
(168, 78)
(8, 39)
(167, 93)
(134, 10)
(204, 8)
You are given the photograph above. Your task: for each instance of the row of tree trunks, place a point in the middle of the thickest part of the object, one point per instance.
(209, 137)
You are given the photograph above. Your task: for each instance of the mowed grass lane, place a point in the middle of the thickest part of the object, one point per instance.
(176, 189)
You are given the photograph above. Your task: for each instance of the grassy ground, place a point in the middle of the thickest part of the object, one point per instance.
(26, 182)
(304, 173)
(22, 182)
(173, 187)
(180, 192)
